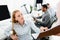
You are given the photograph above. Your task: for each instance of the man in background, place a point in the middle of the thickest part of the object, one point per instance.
(45, 19)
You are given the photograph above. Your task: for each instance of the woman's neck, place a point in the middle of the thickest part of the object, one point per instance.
(22, 23)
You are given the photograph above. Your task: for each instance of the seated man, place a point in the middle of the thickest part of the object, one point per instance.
(45, 18)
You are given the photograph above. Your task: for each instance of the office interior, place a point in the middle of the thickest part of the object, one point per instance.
(29, 8)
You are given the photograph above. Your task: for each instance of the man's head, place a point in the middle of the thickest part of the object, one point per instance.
(44, 8)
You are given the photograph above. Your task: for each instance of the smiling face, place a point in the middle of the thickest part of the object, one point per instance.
(18, 17)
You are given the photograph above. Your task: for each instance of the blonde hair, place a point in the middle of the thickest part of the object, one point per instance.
(14, 21)
(13, 16)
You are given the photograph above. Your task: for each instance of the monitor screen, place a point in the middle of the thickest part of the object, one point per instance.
(4, 12)
(39, 1)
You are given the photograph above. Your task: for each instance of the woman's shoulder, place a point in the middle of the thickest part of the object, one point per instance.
(29, 21)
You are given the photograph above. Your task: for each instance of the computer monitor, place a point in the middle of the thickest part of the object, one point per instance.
(4, 12)
(39, 1)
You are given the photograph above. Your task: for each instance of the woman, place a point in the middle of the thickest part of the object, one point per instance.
(22, 27)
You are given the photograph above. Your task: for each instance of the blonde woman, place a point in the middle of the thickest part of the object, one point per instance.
(22, 27)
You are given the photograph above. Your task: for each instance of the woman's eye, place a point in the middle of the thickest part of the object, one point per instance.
(21, 14)
(18, 15)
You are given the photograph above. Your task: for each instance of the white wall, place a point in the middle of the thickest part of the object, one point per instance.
(15, 4)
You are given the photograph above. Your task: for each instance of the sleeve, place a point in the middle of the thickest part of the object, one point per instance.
(8, 31)
(36, 29)
(46, 20)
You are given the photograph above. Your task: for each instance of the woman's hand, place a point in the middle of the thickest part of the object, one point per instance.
(14, 37)
(46, 28)
(43, 29)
